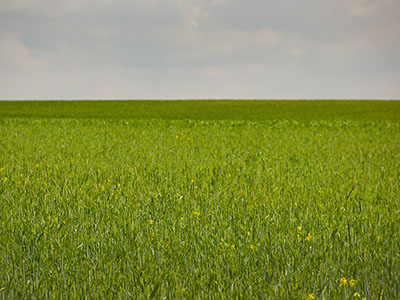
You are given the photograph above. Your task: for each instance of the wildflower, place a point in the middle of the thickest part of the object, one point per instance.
(192, 181)
(352, 282)
(310, 297)
(182, 218)
(102, 188)
(56, 219)
(248, 233)
(151, 222)
(356, 295)
(308, 237)
(343, 281)
(299, 228)
(118, 184)
(177, 137)
(378, 238)
(233, 247)
(5, 179)
(1, 169)
(251, 246)
(363, 298)
(37, 166)
(196, 213)
(229, 175)
(222, 240)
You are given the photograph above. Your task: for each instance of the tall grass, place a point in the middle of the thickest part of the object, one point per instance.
(199, 209)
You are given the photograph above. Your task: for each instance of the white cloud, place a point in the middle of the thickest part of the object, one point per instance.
(56, 8)
(363, 8)
(297, 51)
(200, 46)
(195, 12)
(14, 53)
(199, 49)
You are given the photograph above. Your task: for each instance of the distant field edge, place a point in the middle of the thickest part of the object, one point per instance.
(307, 110)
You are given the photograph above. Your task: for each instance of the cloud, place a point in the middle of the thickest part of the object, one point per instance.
(13, 53)
(199, 48)
(52, 8)
(362, 7)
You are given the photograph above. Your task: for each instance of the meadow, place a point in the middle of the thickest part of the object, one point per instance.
(200, 203)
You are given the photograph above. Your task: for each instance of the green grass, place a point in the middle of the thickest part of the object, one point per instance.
(196, 209)
(369, 110)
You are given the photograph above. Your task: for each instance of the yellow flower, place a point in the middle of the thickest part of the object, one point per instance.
(310, 297)
(352, 282)
(363, 298)
(222, 240)
(151, 222)
(118, 184)
(356, 295)
(182, 218)
(379, 238)
(5, 179)
(196, 213)
(37, 166)
(229, 175)
(299, 228)
(1, 169)
(248, 233)
(233, 247)
(251, 246)
(343, 281)
(102, 188)
(177, 137)
(308, 237)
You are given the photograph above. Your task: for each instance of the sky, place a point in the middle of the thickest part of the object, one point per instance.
(199, 49)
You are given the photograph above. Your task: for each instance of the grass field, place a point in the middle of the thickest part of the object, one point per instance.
(300, 110)
(196, 202)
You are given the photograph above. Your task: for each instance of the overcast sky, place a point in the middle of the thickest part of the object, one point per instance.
(179, 49)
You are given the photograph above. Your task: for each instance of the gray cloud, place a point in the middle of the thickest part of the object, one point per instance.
(199, 49)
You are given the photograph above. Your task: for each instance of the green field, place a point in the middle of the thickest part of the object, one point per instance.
(300, 110)
(184, 200)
